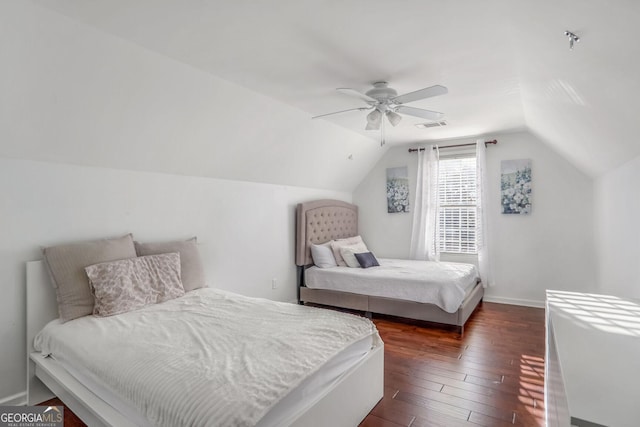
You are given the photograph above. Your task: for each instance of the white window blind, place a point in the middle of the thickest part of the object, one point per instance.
(457, 197)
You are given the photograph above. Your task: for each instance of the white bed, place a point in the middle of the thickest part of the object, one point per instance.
(444, 284)
(316, 398)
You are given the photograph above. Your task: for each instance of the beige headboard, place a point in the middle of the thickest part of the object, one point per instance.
(320, 221)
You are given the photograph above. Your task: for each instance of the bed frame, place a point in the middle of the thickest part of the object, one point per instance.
(323, 220)
(361, 386)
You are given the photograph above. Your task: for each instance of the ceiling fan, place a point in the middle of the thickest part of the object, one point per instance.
(385, 101)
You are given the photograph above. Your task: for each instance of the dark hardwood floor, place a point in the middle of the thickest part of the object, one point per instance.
(492, 376)
(70, 419)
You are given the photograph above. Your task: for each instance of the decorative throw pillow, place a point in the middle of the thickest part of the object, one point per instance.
(367, 260)
(338, 243)
(322, 255)
(192, 271)
(348, 254)
(130, 284)
(66, 264)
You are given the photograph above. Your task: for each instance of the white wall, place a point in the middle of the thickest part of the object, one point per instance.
(553, 248)
(246, 230)
(617, 206)
(73, 94)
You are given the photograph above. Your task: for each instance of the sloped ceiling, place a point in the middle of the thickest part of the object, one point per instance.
(507, 63)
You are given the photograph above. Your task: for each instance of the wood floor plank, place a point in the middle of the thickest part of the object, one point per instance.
(435, 419)
(70, 419)
(396, 411)
(374, 421)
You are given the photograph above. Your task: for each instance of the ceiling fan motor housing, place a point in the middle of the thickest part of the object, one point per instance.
(381, 92)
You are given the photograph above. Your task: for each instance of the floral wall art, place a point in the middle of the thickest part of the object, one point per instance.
(515, 186)
(398, 189)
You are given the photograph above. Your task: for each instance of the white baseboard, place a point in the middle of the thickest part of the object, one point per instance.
(514, 301)
(19, 399)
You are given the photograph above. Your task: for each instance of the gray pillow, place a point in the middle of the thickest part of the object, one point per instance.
(66, 264)
(367, 260)
(192, 271)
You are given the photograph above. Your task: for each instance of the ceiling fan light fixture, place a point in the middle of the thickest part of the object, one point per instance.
(374, 119)
(394, 118)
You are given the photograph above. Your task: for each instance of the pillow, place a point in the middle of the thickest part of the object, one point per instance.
(338, 243)
(323, 255)
(367, 260)
(130, 284)
(66, 264)
(192, 271)
(348, 254)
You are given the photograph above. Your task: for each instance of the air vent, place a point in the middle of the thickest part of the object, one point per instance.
(431, 124)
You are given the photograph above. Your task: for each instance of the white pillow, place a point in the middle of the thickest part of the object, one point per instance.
(339, 243)
(323, 255)
(349, 254)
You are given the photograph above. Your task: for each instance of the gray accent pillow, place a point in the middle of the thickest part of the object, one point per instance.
(367, 260)
(322, 255)
(66, 264)
(192, 271)
(130, 284)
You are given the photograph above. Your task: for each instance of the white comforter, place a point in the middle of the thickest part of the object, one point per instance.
(208, 358)
(441, 283)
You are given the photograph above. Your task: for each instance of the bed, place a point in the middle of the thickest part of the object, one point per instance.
(85, 360)
(321, 221)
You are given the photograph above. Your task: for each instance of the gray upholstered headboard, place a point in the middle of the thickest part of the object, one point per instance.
(320, 221)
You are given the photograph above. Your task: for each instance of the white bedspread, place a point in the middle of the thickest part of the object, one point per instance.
(441, 283)
(208, 358)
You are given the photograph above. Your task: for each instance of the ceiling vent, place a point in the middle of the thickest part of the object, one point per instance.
(431, 124)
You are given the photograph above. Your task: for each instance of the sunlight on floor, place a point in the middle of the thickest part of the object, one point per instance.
(531, 381)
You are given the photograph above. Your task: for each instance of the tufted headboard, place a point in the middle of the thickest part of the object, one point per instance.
(320, 221)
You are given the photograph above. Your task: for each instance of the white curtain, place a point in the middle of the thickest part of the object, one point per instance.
(482, 238)
(425, 233)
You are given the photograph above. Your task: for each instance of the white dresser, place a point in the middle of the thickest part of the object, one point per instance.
(592, 369)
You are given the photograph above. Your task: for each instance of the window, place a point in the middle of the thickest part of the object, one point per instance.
(457, 197)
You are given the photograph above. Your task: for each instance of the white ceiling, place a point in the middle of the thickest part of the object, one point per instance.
(506, 62)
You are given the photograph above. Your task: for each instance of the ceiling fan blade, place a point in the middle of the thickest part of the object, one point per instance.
(427, 92)
(354, 93)
(419, 112)
(342, 111)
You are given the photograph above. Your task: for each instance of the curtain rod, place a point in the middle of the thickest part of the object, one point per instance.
(414, 150)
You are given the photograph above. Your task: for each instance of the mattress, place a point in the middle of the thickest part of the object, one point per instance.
(210, 358)
(444, 284)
